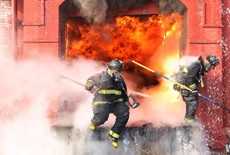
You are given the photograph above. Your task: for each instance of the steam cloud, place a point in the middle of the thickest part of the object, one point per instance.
(29, 87)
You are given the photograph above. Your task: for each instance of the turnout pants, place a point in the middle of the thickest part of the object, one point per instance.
(119, 109)
(191, 101)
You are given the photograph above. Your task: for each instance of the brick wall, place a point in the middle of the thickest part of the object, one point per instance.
(5, 26)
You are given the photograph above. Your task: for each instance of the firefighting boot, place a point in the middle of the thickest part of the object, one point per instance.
(189, 121)
(93, 132)
(114, 137)
(92, 127)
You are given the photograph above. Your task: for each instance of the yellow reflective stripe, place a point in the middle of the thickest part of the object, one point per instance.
(99, 102)
(114, 134)
(119, 100)
(109, 91)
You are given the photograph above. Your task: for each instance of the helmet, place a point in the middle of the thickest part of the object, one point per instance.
(213, 60)
(115, 65)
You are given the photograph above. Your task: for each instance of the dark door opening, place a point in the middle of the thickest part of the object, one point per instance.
(141, 32)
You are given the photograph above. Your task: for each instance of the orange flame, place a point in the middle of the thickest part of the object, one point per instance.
(127, 38)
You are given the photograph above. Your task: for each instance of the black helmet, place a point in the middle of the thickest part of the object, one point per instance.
(213, 60)
(115, 65)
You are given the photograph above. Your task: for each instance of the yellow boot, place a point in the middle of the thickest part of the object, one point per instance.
(114, 137)
(115, 144)
(92, 127)
(188, 121)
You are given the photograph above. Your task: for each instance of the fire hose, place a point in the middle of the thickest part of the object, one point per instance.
(134, 103)
(210, 100)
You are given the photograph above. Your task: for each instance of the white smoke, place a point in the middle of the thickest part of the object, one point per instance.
(188, 60)
(92, 10)
(29, 88)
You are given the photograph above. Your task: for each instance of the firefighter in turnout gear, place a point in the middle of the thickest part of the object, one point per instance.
(110, 93)
(190, 75)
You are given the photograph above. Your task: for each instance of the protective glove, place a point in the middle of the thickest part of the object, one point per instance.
(93, 90)
(90, 87)
(176, 87)
(133, 102)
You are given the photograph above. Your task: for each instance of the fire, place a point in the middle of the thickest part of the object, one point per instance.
(153, 41)
(170, 65)
(127, 38)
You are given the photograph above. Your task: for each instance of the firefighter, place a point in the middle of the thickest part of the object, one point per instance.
(191, 75)
(110, 93)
